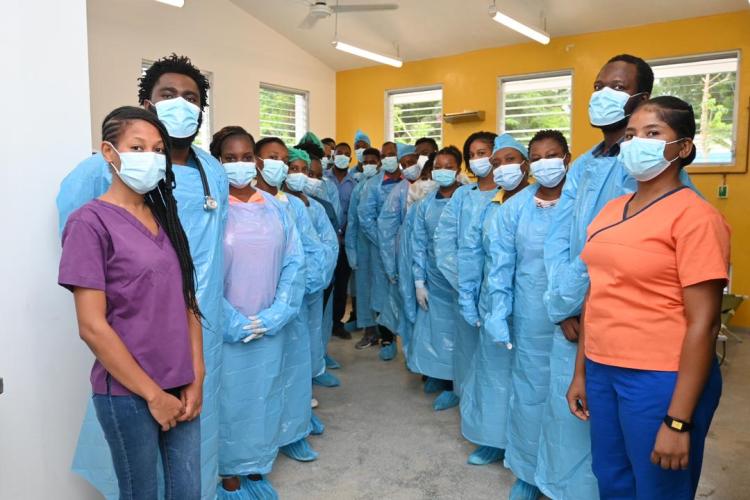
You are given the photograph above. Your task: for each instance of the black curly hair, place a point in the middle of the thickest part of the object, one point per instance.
(172, 64)
(555, 135)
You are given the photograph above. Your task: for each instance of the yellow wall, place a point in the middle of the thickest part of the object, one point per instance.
(470, 82)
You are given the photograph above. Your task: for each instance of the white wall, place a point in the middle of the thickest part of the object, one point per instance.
(219, 37)
(45, 130)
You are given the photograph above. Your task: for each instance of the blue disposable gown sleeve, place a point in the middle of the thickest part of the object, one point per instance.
(332, 195)
(420, 240)
(313, 247)
(352, 228)
(566, 275)
(470, 259)
(389, 222)
(328, 238)
(406, 276)
(369, 208)
(88, 180)
(446, 237)
(500, 242)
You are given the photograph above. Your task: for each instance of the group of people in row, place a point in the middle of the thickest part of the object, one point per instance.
(571, 319)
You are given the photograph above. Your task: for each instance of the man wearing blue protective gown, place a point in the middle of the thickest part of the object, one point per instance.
(201, 193)
(595, 178)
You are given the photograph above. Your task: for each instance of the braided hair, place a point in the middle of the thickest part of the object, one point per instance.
(160, 200)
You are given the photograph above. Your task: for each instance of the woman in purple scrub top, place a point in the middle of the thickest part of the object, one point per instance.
(126, 259)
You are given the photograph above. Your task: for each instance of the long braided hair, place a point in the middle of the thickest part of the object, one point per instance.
(161, 199)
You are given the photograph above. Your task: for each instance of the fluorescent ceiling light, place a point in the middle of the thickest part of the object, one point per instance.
(345, 47)
(173, 3)
(534, 34)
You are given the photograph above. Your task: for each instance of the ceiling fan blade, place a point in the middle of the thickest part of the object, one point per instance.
(364, 7)
(308, 22)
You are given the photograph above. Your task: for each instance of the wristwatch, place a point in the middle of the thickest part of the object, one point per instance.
(677, 425)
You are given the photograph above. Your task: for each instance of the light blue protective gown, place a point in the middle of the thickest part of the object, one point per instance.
(486, 392)
(205, 232)
(406, 290)
(516, 281)
(373, 196)
(358, 254)
(332, 196)
(392, 214)
(431, 351)
(564, 462)
(296, 366)
(264, 275)
(462, 215)
(327, 236)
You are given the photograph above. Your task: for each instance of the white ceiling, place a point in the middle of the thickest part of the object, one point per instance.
(431, 28)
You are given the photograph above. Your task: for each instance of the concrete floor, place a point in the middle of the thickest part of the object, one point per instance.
(383, 441)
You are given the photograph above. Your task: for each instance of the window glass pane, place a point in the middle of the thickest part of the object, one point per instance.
(203, 139)
(283, 113)
(415, 114)
(710, 86)
(533, 104)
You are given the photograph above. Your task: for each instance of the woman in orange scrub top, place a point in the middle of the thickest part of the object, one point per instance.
(646, 373)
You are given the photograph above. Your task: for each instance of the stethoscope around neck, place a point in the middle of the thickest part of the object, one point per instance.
(209, 203)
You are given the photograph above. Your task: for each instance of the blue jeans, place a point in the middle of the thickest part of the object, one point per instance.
(627, 408)
(135, 439)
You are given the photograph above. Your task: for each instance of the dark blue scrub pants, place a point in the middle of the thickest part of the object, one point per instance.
(627, 408)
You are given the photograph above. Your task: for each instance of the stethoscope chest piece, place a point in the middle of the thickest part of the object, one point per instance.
(210, 204)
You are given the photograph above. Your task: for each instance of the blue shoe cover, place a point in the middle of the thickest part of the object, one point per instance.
(259, 490)
(318, 427)
(327, 380)
(387, 352)
(446, 399)
(331, 363)
(484, 455)
(433, 385)
(522, 490)
(300, 451)
(241, 494)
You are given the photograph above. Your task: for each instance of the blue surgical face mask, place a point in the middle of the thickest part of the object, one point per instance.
(296, 181)
(480, 166)
(548, 172)
(360, 152)
(607, 106)
(412, 173)
(274, 172)
(240, 173)
(314, 187)
(444, 177)
(369, 170)
(140, 171)
(341, 162)
(644, 158)
(508, 176)
(390, 164)
(179, 116)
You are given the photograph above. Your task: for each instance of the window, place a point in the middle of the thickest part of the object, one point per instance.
(709, 84)
(203, 139)
(414, 113)
(536, 102)
(283, 113)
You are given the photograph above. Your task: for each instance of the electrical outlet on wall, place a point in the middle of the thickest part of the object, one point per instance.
(723, 192)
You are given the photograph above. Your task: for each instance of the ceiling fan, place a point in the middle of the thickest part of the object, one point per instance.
(321, 10)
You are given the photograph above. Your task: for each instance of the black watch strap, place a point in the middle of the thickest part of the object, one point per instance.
(677, 425)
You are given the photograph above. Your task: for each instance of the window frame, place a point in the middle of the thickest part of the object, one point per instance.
(500, 125)
(289, 90)
(388, 132)
(208, 111)
(734, 165)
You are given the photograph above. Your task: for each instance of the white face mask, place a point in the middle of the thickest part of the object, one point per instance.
(141, 171)
(419, 189)
(548, 172)
(240, 173)
(422, 160)
(508, 176)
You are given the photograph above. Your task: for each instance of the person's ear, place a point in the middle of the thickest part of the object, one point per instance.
(148, 105)
(110, 154)
(258, 162)
(566, 159)
(686, 147)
